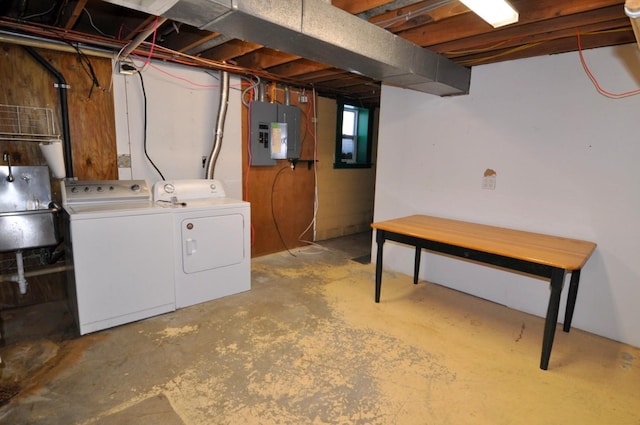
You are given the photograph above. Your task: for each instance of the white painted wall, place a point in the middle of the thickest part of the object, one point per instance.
(566, 159)
(182, 104)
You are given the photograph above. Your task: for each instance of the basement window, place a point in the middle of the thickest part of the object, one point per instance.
(353, 137)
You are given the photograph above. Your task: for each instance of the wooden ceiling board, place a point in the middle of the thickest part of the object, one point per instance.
(443, 26)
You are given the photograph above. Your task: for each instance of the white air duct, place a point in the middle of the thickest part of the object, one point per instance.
(318, 31)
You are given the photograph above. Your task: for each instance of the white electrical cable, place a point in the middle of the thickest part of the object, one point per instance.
(252, 85)
(315, 162)
(314, 220)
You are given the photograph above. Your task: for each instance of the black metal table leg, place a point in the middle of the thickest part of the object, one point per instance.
(571, 300)
(557, 280)
(416, 265)
(380, 238)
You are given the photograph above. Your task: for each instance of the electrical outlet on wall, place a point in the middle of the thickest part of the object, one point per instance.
(126, 67)
(489, 179)
(124, 161)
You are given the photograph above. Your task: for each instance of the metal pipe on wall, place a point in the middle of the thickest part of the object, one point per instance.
(32, 41)
(137, 41)
(62, 87)
(220, 120)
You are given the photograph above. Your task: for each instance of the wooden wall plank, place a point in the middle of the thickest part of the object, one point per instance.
(91, 114)
(289, 200)
(91, 111)
(25, 82)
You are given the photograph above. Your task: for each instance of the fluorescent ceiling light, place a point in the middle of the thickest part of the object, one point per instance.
(495, 12)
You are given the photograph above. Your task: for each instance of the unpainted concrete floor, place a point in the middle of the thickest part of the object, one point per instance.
(307, 345)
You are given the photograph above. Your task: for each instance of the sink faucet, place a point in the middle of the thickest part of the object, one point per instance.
(7, 157)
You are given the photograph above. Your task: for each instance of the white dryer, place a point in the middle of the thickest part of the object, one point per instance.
(212, 239)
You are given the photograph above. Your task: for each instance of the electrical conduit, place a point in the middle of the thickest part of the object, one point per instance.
(220, 120)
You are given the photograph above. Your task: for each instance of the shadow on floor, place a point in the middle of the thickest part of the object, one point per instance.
(356, 247)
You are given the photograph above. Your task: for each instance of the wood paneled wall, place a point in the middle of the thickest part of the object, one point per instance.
(25, 82)
(281, 197)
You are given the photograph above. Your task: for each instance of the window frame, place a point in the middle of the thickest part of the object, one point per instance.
(362, 138)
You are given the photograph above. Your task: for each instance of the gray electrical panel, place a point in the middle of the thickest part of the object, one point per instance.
(291, 115)
(273, 128)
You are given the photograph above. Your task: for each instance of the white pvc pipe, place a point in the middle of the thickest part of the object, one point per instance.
(15, 277)
(136, 42)
(22, 282)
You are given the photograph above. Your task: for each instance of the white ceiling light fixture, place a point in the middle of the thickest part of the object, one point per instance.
(496, 12)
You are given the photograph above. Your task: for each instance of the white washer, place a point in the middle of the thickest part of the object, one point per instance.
(212, 236)
(121, 248)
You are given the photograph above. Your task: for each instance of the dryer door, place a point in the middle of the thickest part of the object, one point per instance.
(212, 242)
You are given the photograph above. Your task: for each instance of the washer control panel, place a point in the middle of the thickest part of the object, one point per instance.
(187, 190)
(79, 191)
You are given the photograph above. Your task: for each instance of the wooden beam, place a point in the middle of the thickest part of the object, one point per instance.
(75, 15)
(535, 32)
(618, 25)
(417, 14)
(562, 45)
(323, 75)
(296, 68)
(470, 25)
(265, 58)
(186, 41)
(359, 6)
(230, 50)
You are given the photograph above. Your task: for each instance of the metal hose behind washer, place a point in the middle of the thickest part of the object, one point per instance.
(222, 114)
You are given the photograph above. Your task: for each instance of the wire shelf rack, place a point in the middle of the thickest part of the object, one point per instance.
(27, 123)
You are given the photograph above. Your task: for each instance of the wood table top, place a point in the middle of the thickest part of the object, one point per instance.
(555, 251)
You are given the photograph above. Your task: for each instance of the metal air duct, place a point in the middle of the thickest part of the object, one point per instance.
(316, 30)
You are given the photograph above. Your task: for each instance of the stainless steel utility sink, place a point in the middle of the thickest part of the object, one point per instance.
(28, 217)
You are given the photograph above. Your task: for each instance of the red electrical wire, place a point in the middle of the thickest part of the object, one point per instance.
(174, 76)
(595, 81)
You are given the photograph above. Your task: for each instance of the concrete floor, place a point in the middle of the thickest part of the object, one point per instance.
(307, 345)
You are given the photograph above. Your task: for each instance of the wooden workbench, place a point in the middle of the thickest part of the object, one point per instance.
(534, 253)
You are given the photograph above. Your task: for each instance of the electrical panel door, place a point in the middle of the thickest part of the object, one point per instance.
(290, 115)
(267, 121)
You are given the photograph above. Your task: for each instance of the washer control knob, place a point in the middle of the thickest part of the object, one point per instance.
(135, 187)
(86, 189)
(74, 190)
(100, 189)
(169, 188)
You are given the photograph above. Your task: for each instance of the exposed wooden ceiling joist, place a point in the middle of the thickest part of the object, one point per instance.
(443, 26)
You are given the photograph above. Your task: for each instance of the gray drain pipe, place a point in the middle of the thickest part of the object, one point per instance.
(220, 120)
